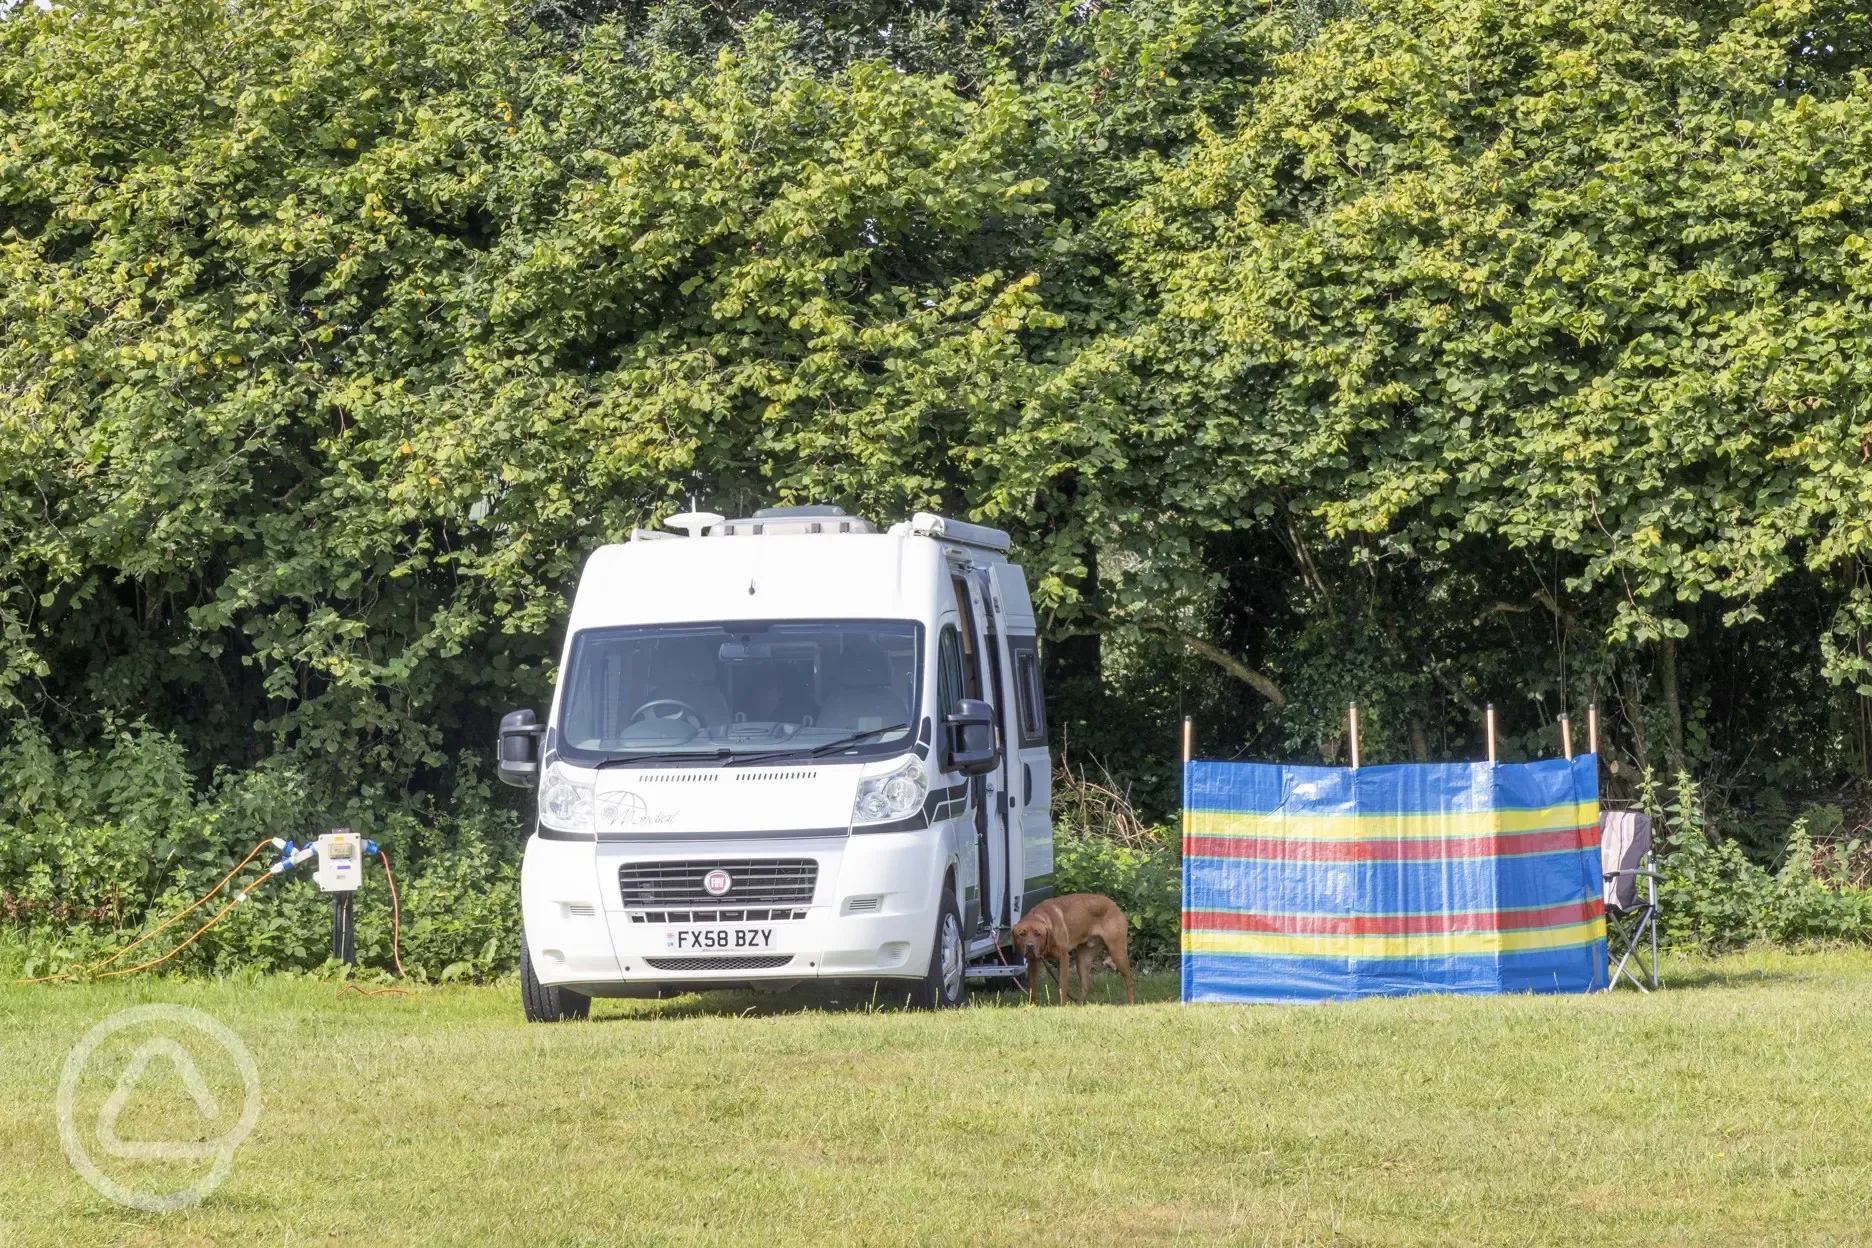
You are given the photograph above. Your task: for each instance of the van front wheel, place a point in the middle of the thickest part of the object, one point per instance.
(945, 986)
(546, 1003)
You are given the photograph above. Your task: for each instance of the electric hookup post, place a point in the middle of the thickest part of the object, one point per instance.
(341, 873)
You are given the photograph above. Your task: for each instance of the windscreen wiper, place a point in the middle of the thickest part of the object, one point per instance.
(854, 739)
(759, 756)
(638, 756)
(838, 743)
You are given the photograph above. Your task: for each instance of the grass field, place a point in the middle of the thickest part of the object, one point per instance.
(1736, 1107)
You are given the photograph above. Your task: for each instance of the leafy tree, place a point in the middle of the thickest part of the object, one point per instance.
(1429, 353)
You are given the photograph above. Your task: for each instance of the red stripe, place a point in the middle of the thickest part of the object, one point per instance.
(1394, 924)
(1389, 849)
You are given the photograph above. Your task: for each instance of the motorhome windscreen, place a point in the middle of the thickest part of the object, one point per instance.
(740, 689)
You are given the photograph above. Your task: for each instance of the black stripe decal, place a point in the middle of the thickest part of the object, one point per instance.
(678, 838)
(939, 805)
(911, 823)
(682, 838)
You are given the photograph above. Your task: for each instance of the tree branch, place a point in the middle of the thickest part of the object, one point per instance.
(1224, 660)
(1261, 684)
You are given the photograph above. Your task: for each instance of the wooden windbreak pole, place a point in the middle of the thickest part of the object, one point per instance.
(1189, 752)
(1352, 722)
(1488, 714)
(1566, 735)
(1592, 728)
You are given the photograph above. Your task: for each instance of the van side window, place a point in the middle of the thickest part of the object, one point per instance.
(1027, 694)
(971, 651)
(948, 670)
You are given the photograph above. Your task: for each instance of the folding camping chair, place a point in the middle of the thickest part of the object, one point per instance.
(1631, 919)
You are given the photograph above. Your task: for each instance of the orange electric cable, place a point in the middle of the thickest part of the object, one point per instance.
(219, 915)
(46, 979)
(253, 854)
(194, 905)
(396, 914)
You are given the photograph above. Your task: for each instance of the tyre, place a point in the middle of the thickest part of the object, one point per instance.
(945, 985)
(545, 1003)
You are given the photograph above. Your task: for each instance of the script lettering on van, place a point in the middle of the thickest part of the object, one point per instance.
(625, 809)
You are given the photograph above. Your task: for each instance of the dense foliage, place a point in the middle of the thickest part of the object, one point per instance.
(1425, 352)
(1102, 845)
(1713, 897)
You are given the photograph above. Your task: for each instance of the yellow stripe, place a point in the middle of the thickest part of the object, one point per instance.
(1415, 945)
(1411, 827)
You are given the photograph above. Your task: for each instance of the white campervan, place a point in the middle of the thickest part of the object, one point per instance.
(781, 749)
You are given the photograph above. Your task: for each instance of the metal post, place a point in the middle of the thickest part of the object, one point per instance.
(344, 928)
(1592, 728)
(1352, 720)
(1651, 881)
(1566, 735)
(1489, 715)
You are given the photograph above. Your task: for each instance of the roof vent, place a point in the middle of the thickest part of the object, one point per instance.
(791, 521)
(814, 510)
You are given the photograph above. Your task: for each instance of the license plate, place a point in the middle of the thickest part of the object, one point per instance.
(717, 939)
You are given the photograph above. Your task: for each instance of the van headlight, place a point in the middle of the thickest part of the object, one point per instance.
(565, 803)
(893, 795)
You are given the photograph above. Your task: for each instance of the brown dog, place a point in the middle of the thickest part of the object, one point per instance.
(1060, 926)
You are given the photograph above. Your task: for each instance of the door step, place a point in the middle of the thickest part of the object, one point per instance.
(993, 970)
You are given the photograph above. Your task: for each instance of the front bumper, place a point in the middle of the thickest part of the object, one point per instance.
(582, 935)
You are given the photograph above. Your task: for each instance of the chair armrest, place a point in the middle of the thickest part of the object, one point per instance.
(1633, 871)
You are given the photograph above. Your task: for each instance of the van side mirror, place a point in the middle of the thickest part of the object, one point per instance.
(520, 749)
(969, 738)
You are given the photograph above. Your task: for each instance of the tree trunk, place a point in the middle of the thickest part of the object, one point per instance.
(1673, 704)
(1077, 655)
(1634, 713)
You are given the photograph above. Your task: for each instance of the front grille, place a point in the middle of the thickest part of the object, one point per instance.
(756, 915)
(754, 882)
(753, 962)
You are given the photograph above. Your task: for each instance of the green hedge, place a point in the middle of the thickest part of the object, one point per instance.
(1102, 845)
(98, 846)
(1713, 896)
(1144, 879)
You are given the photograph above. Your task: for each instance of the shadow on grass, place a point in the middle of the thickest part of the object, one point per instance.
(1712, 975)
(885, 997)
(1681, 973)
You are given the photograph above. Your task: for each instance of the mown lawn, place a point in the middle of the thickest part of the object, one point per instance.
(1734, 1108)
